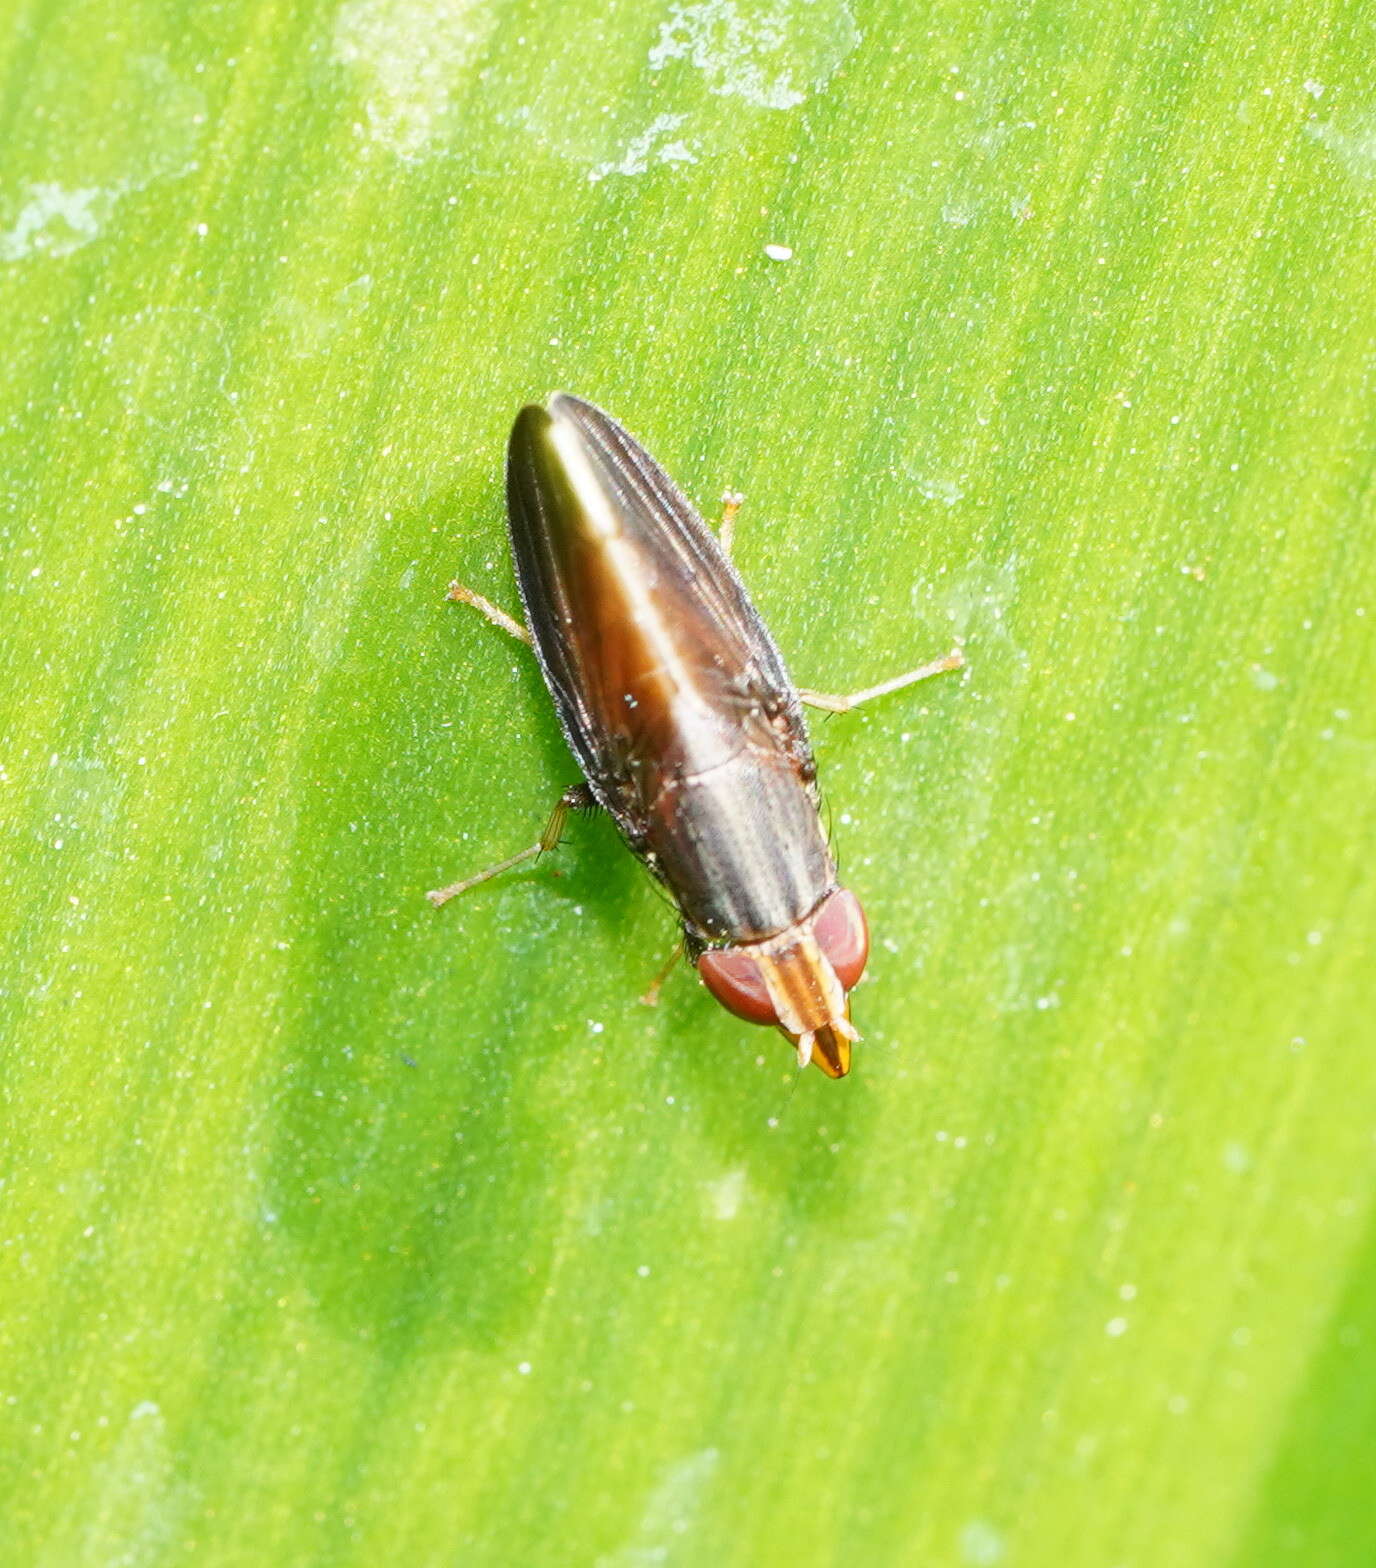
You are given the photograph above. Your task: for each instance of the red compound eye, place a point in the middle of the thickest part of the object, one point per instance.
(732, 975)
(735, 977)
(842, 934)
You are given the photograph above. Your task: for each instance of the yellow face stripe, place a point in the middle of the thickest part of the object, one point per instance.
(806, 995)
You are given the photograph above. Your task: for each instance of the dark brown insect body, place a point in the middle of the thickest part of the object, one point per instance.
(676, 703)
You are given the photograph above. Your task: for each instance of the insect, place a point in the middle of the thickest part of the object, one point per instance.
(676, 704)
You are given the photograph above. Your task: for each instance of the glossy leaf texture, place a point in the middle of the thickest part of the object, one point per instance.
(335, 1230)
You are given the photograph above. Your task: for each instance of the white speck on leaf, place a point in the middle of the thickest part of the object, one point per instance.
(668, 1514)
(647, 148)
(156, 120)
(1354, 148)
(771, 55)
(55, 221)
(1236, 1158)
(410, 58)
(765, 55)
(724, 1195)
(936, 488)
(981, 1545)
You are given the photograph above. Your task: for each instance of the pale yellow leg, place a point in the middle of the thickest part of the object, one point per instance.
(465, 595)
(650, 998)
(726, 534)
(576, 798)
(834, 703)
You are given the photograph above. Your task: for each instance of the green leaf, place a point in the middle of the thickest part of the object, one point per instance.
(339, 1231)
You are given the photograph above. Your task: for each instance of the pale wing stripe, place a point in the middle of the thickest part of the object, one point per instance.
(649, 493)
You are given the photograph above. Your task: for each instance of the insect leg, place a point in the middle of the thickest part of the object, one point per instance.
(464, 595)
(651, 995)
(576, 798)
(726, 534)
(833, 703)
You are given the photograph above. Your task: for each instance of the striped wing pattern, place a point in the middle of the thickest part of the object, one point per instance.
(631, 601)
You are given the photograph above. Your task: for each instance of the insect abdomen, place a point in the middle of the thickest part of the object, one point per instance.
(740, 847)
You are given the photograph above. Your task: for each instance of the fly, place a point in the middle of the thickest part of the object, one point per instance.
(689, 732)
